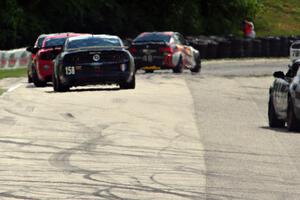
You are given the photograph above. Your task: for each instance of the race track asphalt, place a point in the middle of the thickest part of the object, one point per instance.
(186, 136)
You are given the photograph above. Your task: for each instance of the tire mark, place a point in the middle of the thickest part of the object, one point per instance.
(29, 116)
(62, 161)
(11, 195)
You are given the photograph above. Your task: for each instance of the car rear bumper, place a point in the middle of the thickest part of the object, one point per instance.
(162, 62)
(94, 79)
(45, 70)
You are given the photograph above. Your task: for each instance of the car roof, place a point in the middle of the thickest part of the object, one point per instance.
(169, 33)
(61, 35)
(42, 36)
(47, 34)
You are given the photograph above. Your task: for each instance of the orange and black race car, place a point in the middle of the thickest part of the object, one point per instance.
(164, 50)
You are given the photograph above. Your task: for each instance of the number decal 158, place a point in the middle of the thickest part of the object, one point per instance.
(70, 70)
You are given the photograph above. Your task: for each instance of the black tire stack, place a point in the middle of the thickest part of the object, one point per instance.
(237, 48)
(285, 47)
(248, 48)
(257, 48)
(224, 48)
(214, 47)
(275, 46)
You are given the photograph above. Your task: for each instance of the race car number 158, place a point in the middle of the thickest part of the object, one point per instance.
(70, 70)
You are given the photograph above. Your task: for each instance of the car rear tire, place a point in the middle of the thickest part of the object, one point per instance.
(292, 121)
(124, 85)
(29, 79)
(274, 122)
(57, 86)
(36, 81)
(179, 68)
(197, 68)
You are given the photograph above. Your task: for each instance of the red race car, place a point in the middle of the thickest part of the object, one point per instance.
(38, 44)
(42, 64)
(164, 50)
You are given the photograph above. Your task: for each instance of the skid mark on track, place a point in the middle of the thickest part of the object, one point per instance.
(68, 116)
(10, 111)
(7, 121)
(62, 161)
(11, 195)
(114, 188)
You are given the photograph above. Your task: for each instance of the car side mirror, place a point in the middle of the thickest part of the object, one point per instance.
(32, 50)
(279, 74)
(29, 49)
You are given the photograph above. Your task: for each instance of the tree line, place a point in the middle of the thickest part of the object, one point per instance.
(21, 21)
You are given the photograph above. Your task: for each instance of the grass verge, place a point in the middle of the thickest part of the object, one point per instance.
(8, 73)
(278, 17)
(1, 91)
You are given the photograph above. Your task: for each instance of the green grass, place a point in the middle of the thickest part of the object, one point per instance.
(8, 73)
(278, 17)
(1, 91)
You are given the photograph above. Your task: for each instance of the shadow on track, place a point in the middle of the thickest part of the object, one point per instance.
(279, 130)
(87, 90)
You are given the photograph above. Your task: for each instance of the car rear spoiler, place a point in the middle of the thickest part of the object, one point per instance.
(99, 47)
(34, 50)
(149, 42)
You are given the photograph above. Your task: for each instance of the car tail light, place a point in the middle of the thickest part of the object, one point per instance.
(166, 50)
(133, 50)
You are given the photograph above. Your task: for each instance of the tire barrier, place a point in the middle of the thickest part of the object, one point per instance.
(237, 48)
(233, 47)
(275, 46)
(248, 48)
(224, 49)
(256, 48)
(16, 58)
(202, 48)
(284, 46)
(212, 50)
(265, 47)
(210, 47)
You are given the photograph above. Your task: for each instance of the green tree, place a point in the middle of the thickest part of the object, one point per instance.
(22, 21)
(226, 16)
(11, 16)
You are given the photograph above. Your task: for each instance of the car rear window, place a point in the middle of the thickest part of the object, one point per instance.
(91, 42)
(40, 41)
(153, 37)
(55, 42)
